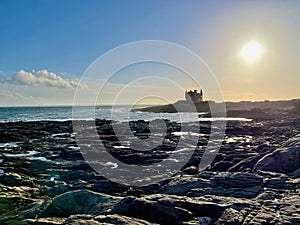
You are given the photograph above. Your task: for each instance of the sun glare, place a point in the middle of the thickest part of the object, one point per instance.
(251, 51)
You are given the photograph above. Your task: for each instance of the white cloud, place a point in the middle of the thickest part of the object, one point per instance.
(42, 78)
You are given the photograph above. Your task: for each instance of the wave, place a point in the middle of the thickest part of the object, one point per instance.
(120, 113)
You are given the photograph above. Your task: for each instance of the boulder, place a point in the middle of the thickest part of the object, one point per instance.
(283, 160)
(14, 179)
(78, 202)
(151, 211)
(107, 186)
(237, 180)
(184, 184)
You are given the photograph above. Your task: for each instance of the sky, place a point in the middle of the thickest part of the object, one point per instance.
(47, 46)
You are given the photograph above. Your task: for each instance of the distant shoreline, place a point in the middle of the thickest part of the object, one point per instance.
(184, 106)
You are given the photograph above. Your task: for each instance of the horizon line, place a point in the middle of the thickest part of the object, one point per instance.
(152, 104)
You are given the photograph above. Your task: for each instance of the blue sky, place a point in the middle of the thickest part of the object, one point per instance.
(68, 35)
(65, 37)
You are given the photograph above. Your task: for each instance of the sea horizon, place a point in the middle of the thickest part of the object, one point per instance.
(153, 104)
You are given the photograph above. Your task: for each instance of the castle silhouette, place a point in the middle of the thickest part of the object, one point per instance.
(194, 96)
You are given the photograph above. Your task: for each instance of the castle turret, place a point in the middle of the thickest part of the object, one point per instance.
(194, 96)
(201, 95)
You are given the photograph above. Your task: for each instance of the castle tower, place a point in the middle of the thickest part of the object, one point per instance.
(201, 95)
(194, 96)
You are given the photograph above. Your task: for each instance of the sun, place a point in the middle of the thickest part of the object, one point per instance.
(251, 51)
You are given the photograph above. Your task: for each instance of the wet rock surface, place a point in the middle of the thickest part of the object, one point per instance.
(254, 178)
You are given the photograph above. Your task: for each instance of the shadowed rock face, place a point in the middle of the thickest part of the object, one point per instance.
(247, 108)
(255, 178)
(78, 202)
(282, 160)
(152, 211)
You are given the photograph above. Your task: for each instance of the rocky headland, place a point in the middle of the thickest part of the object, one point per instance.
(254, 179)
(205, 106)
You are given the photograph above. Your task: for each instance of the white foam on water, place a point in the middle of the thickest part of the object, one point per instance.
(233, 139)
(172, 160)
(38, 158)
(225, 119)
(179, 150)
(184, 133)
(61, 134)
(74, 147)
(30, 153)
(120, 147)
(9, 145)
(113, 165)
(243, 139)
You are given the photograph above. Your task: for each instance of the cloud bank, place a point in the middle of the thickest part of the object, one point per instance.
(42, 78)
(14, 94)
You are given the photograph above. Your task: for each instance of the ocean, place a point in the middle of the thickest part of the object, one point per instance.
(118, 113)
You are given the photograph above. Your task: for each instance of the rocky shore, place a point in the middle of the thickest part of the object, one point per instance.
(205, 106)
(254, 179)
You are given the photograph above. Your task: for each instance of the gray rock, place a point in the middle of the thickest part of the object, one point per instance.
(230, 217)
(275, 182)
(75, 202)
(251, 192)
(151, 211)
(107, 186)
(56, 190)
(45, 221)
(237, 180)
(283, 160)
(118, 219)
(14, 179)
(184, 184)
